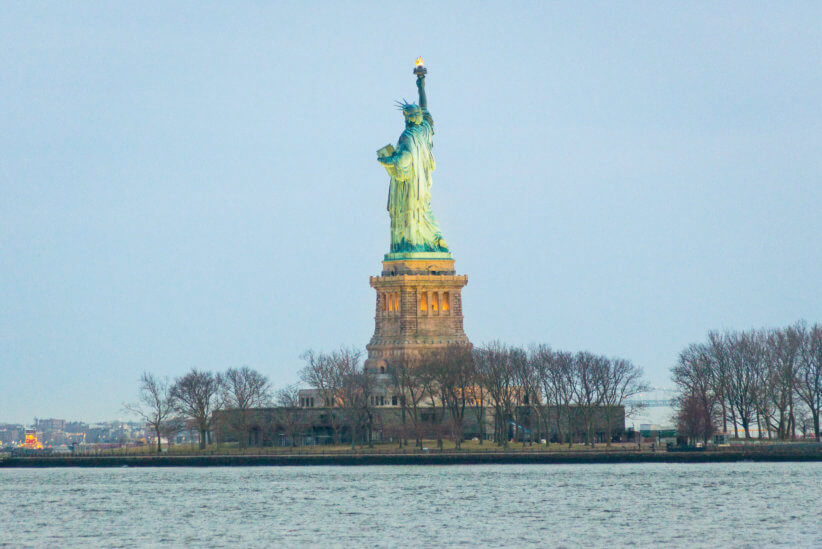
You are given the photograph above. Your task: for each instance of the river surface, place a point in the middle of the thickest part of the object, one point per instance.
(653, 505)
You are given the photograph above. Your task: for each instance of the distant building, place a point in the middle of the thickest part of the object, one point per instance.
(11, 434)
(46, 425)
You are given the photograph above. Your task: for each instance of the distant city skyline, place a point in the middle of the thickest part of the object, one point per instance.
(197, 186)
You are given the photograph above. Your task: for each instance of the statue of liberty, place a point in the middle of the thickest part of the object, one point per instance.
(413, 226)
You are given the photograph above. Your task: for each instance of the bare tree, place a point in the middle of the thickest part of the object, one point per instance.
(494, 372)
(557, 378)
(785, 355)
(320, 373)
(244, 388)
(525, 395)
(695, 375)
(809, 375)
(335, 376)
(476, 399)
(694, 419)
(587, 370)
(154, 405)
(718, 355)
(407, 382)
(804, 421)
(618, 381)
(346, 368)
(367, 387)
(452, 374)
(356, 390)
(196, 396)
(542, 358)
(288, 412)
(755, 377)
(429, 372)
(241, 390)
(746, 360)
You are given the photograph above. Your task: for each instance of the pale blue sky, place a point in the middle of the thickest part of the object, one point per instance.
(197, 186)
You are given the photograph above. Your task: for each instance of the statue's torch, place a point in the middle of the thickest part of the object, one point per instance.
(419, 69)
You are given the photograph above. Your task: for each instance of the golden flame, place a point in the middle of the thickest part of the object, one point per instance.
(418, 62)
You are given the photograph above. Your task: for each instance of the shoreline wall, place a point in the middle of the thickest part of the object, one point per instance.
(806, 455)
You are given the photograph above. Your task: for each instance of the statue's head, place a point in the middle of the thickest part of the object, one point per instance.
(411, 112)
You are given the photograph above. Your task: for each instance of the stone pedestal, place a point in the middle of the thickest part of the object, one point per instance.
(419, 308)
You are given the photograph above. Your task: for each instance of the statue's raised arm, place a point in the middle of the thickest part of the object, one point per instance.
(410, 165)
(423, 97)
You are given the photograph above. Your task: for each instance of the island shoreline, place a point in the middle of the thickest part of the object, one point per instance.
(433, 458)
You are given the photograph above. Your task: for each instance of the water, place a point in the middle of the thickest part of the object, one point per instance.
(660, 505)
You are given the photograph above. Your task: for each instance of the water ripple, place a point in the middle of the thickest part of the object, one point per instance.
(638, 505)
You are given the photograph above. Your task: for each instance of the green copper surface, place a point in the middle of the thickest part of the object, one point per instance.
(418, 255)
(413, 226)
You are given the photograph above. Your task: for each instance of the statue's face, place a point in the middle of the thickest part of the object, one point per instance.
(414, 117)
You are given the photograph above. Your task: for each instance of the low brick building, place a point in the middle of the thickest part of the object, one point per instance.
(278, 426)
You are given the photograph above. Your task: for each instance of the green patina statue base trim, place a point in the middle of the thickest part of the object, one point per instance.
(403, 246)
(417, 255)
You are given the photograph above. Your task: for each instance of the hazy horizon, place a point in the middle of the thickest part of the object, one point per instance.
(196, 185)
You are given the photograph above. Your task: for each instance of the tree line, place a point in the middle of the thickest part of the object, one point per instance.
(768, 379)
(771, 379)
(528, 391)
(189, 401)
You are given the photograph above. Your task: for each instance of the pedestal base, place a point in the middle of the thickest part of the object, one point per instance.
(419, 308)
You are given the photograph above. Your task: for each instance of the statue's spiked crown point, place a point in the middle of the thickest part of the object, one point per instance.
(405, 106)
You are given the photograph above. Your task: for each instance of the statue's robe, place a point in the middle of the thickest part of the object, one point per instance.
(413, 226)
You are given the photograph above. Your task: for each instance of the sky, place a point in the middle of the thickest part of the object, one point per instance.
(196, 185)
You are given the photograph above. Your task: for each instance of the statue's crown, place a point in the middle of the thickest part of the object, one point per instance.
(407, 107)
